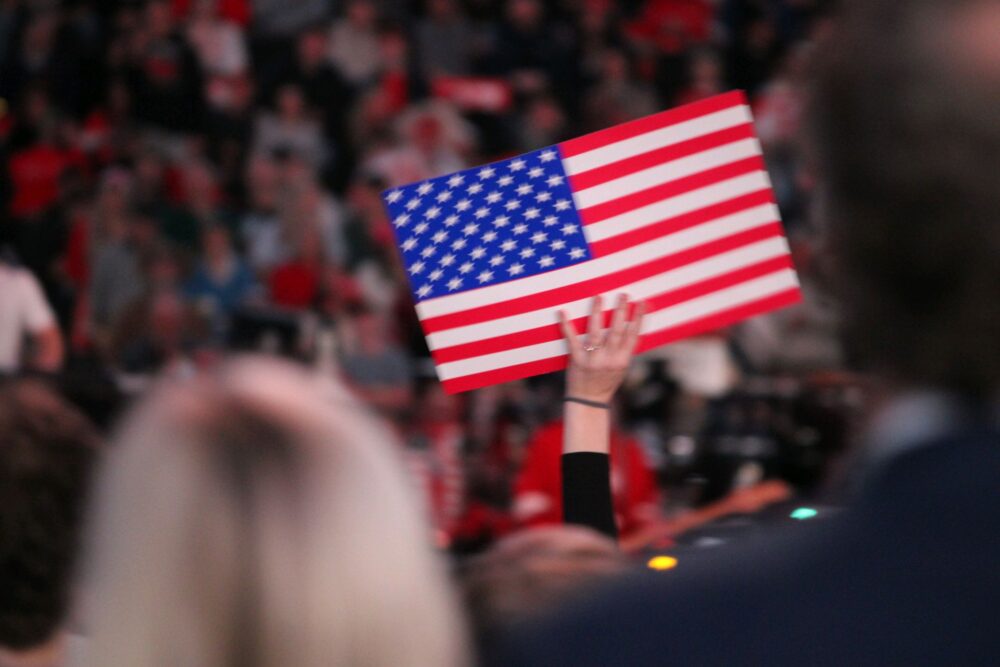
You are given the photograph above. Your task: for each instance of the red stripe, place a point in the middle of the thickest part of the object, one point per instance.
(648, 342)
(677, 223)
(658, 193)
(630, 165)
(658, 302)
(649, 123)
(506, 374)
(720, 319)
(584, 289)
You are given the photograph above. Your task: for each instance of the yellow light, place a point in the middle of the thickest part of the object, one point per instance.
(661, 563)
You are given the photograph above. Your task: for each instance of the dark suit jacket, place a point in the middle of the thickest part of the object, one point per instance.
(910, 575)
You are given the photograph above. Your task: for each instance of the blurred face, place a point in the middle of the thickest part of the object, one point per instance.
(290, 102)
(163, 273)
(159, 19)
(312, 48)
(442, 8)
(427, 133)
(615, 66)
(216, 244)
(439, 406)
(361, 14)
(524, 13)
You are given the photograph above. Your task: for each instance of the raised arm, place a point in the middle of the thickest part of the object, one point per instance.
(597, 367)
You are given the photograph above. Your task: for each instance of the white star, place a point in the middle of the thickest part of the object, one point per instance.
(470, 229)
(524, 189)
(543, 196)
(532, 213)
(546, 262)
(465, 268)
(443, 196)
(535, 172)
(527, 252)
(436, 274)
(447, 260)
(423, 291)
(490, 236)
(482, 212)
(454, 284)
(496, 260)
(515, 269)
(477, 253)
(455, 181)
(554, 180)
(547, 156)
(424, 188)
(420, 228)
(428, 251)
(439, 236)
(520, 228)
(577, 253)
(493, 197)
(558, 244)
(508, 245)
(463, 205)
(501, 221)
(568, 229)
(539, 237)
(413, 203)
(485, 276)
(417, 267)
(487, 172)
(475, 188)
(394, 196)
(516, 165)
(512, 205)
(451, 220)
(562, 204)
(401, 220)
(409, 244)
(505, 180)
(433, 212)
(550, 220)
(458, 244)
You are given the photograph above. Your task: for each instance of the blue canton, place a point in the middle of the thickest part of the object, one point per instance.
(498, 222)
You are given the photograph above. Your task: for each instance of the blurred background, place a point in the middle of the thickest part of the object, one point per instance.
(185, 179)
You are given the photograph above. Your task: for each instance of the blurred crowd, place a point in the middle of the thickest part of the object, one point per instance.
(184, 178)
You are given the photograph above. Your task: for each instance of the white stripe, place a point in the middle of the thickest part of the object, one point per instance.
(643, 289)
(666, 136)
(679, 205)
(694, 309)
(667, 172)
(644, 252)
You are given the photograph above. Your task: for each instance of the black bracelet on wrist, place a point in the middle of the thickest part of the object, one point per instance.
(586, 401)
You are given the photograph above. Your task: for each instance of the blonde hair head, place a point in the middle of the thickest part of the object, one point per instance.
(259, 517)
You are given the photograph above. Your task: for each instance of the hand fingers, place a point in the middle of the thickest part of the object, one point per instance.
(596, 322)
(569, 333)
(634, 328)
(619, 322)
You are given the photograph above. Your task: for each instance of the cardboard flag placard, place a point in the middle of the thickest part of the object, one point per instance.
(675, 209)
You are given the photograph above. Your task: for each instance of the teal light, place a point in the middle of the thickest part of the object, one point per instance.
(803, 513)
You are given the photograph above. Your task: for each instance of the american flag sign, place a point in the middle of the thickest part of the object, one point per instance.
(675, 209)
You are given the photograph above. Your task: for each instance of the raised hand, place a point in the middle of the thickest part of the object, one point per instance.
(599, 361)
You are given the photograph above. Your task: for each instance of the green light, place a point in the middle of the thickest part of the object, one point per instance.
(803, 513)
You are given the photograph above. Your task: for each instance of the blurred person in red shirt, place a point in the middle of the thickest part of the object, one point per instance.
(538, 487)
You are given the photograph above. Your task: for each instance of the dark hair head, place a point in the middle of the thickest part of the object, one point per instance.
(906, 135)
(47, 450)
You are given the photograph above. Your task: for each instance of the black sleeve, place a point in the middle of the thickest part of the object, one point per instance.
(586, 491)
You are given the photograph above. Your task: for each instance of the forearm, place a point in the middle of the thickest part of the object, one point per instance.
(586, 470)
(587, 429)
